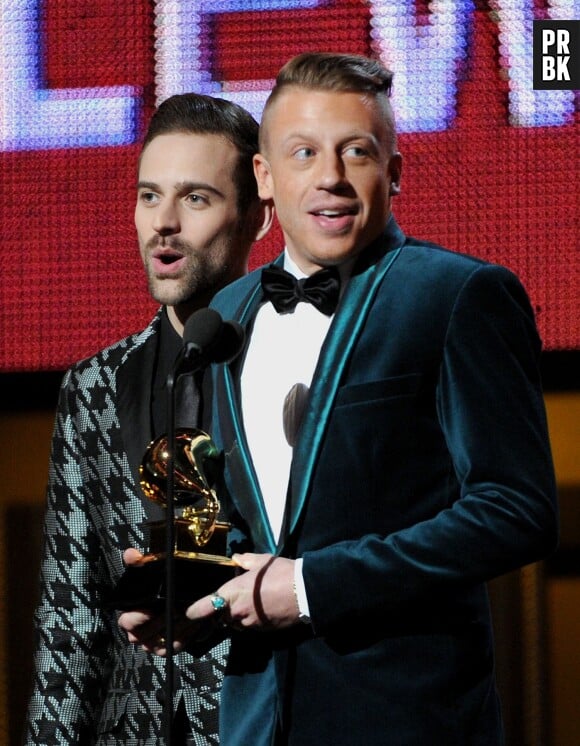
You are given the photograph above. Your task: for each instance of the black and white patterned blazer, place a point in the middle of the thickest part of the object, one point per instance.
(90, 685)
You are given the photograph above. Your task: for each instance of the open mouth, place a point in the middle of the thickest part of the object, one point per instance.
(168, 258)
(167, 261)
(334, 213)
(334, 220)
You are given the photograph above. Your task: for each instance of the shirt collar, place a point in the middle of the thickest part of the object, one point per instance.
(344, 269)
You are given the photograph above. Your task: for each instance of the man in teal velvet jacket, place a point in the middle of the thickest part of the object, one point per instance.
(383, 459)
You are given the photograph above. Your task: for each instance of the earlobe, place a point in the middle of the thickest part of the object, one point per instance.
(263, 177)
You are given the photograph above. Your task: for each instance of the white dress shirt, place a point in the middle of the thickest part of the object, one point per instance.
(283, 351)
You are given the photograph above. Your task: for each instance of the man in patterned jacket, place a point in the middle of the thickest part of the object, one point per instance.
(197, 215)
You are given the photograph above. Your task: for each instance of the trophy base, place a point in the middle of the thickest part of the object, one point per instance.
(196, 573)
(144, 586)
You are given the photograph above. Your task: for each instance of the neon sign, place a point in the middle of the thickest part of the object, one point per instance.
(33, 117)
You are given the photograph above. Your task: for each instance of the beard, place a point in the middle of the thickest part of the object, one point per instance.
(205, 272)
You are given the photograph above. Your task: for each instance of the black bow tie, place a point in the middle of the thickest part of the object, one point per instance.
(285, 291)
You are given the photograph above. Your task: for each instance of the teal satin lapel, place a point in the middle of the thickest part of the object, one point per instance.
(343, 333)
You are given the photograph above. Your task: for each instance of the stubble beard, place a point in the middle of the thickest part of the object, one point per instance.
(199, 281)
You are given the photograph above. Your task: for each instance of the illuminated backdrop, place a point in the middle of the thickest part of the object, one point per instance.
(490, 165)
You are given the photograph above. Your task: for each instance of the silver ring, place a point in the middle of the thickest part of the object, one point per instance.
(162, 642)
(218, 602)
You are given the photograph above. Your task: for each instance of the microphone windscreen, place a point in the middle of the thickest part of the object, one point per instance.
(202, 328)
(229, 344)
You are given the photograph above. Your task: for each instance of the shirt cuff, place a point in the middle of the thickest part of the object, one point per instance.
(300, 591)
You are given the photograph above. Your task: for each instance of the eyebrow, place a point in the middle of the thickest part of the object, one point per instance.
(354, 135)
(182, 187)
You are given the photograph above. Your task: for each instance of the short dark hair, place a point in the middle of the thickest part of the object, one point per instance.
(329, 71)
(205, 115)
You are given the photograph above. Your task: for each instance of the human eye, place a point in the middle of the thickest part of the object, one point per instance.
(195, 199)
(147, 197)
(357, 151)
(303, 153)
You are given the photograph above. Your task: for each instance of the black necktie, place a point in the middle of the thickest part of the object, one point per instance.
(285, 291)
(187, 401)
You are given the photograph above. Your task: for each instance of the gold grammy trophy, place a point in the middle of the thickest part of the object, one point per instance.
(200, 539)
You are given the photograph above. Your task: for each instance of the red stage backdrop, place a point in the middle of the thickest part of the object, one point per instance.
(490, 165)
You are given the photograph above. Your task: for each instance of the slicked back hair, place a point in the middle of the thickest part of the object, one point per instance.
(327, 71)
(197, 114)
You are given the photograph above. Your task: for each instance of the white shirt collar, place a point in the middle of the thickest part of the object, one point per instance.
(344, 269)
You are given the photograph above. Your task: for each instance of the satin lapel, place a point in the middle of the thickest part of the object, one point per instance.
(133, 396)
(246, 494)
(343, 334)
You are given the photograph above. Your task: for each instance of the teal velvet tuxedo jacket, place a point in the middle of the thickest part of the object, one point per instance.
(91, 686)
(422, 469)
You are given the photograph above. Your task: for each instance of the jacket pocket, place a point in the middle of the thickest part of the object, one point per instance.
(387, 388)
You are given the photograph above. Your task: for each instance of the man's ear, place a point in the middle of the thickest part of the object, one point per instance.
(395, 168)
(263, 175)
(264, 218)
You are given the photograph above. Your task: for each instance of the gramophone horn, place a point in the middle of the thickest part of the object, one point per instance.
(197, 463)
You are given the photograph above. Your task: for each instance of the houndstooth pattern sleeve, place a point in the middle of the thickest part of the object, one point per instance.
(73, 635)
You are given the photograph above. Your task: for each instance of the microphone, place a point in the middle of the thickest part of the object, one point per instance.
(207, 338)
(229, 343)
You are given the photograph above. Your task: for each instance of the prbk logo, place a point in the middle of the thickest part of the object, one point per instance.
(557, 55)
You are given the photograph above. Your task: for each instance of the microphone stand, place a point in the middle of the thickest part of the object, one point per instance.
(205, 327)
(169, 560)
(187, 355)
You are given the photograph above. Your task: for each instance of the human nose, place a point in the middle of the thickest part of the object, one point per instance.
(166, 219)
(331, 172)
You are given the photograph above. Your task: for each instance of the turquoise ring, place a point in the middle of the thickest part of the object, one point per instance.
(218, 602)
